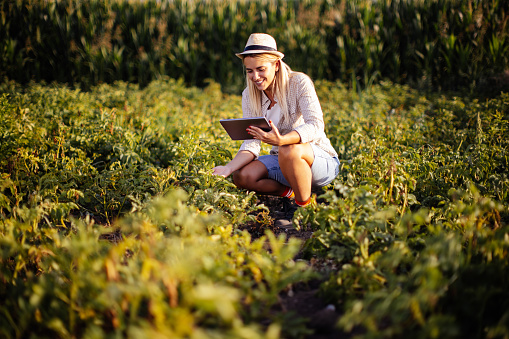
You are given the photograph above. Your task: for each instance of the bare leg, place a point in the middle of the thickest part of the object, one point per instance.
(254, 177)
(295, 162)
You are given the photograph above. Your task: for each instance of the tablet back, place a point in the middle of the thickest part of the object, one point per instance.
(236, 128)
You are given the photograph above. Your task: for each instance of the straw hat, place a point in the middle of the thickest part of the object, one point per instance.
(260, 43)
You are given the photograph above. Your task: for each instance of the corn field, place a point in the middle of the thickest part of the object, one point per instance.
(440, 43)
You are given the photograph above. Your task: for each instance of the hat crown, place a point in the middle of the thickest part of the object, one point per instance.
(260, 43)
(261, 39)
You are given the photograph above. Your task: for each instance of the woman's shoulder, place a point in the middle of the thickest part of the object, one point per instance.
(300, 80)
(245, 95)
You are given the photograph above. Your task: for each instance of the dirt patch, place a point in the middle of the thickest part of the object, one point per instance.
(321, 318)
(276, 211)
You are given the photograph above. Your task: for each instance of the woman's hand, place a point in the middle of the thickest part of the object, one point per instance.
(273, 137)
(241, 159)
(223, 171)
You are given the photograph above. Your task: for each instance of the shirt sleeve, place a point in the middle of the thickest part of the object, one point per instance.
(311, 110)
(251, 145)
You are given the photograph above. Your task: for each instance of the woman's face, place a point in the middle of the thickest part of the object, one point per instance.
(261, 72)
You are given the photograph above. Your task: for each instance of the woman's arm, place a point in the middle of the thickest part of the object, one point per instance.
(241, 159)
(310, 109)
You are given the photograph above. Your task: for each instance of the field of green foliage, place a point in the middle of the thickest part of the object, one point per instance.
(111, 224)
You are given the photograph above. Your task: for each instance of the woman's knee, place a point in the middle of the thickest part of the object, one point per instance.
(292, 152)
(289, 153)
(244, 178)
(238, 179)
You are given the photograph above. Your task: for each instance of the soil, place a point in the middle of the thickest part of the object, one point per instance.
(302, 299)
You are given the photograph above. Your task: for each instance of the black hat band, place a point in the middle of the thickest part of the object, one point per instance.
(259, 47)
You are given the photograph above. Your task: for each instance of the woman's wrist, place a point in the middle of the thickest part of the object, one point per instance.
(288, 139)
(284, 140)
(231, 168)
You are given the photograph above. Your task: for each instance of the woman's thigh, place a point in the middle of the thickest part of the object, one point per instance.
(271, 164)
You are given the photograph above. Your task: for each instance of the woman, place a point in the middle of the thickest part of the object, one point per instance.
(301, 155)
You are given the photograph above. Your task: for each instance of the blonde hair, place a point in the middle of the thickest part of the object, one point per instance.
(280, 85)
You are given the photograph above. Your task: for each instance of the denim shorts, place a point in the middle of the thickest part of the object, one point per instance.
(324, 169)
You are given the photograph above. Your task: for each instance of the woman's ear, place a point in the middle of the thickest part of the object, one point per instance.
(278, 64)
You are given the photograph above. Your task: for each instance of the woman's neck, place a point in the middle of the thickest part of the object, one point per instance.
(270, 95)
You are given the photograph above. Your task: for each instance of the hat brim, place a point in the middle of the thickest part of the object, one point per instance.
(259, 51)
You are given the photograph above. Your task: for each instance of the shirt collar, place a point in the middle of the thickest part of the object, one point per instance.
(265, 99)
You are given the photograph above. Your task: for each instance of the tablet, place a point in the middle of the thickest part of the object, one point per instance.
(236, 128)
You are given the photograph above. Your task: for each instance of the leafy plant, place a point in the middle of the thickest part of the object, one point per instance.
(112, 224)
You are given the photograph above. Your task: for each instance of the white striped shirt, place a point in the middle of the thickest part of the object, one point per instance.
(305, 112)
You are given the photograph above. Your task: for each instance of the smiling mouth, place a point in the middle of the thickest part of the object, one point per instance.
(259, 82)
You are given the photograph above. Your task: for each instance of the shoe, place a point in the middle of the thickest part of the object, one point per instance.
(285, 224)
(285, 221)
